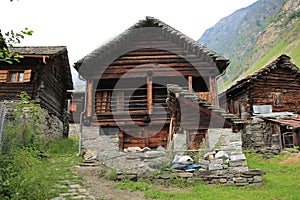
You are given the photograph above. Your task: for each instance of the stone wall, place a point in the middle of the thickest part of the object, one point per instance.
(253, 134)
(224, 162)
(53, 127)
(74, 129)
(253, 177)
(50, 125)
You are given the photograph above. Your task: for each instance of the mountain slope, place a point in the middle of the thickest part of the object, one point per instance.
(253, 36)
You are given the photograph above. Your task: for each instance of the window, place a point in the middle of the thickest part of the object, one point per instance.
(277, 99)
(15, 76)
(73, 107)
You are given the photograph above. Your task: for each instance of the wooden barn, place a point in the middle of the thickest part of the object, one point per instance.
(276, 85)
(44, 74)
(127, 82)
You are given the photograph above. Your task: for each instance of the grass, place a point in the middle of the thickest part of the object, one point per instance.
(32, 175)
(283, 47)
(280, 182)
(132, 186)
(39, 178)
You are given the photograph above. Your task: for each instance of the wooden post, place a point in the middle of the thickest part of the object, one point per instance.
(121, 139)
(213, 91)
(190, 81)
(89, 108)
(149, 94)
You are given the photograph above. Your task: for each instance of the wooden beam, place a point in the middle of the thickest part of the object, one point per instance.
(190, 79)
(213, 91)
(89, 108)
(149, 94)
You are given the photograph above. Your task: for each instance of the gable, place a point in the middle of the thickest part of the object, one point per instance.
(160, 63)
(150, 34)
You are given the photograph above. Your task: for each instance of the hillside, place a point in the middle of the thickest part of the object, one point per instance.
(253, 36)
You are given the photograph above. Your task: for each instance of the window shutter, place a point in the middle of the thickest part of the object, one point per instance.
(27, 75)
(3, 76)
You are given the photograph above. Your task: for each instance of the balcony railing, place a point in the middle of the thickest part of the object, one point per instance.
(134, 100)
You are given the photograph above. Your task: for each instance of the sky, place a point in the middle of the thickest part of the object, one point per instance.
(83, 25)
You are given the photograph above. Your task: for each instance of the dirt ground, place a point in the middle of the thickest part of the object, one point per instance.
(101, 188)
(291, 160)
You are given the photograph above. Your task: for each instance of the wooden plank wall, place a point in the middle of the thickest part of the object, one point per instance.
(10, 91)
(143, 137)
(278, 81)
(53, 94)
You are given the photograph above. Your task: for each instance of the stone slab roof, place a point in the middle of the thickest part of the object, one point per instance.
(203, 103)
(283, 61)
(39, 50)
(50, 52)
(188, 44)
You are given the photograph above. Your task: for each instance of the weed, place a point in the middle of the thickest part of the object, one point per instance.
(132, 186)
(112, 174)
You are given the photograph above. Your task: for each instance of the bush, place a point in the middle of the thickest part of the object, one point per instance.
(24, 128)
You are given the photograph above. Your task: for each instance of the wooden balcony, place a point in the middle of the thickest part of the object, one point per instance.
(110, 104)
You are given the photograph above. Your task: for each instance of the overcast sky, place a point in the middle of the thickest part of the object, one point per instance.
(83, 25)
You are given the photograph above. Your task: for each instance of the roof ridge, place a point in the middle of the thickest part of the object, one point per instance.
(280, 61)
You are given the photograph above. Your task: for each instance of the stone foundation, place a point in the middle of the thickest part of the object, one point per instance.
(222, 163)
(253, 177)
(254, 133)
(51, 126)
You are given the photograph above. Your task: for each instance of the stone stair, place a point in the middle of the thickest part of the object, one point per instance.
(196, 99)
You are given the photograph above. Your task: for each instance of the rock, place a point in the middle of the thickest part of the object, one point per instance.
(160, 148)
(146, 149)
(203, 162)
(257, 179)
(237, 157)
(214, 166)
(238, 163)
(133, 149)
(185, 175)
(218, 161)
(222, 180)
(209, 155)
(153, 154)
(222, 154)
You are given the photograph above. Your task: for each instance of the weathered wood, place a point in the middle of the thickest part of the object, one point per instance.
(149, 95)
(190, 82)
(213, 91)
(89, 108)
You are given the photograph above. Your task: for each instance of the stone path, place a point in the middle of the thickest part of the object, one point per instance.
(76, 189)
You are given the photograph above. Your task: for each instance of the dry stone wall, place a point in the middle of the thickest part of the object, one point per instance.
(222, 163)
(51, 126)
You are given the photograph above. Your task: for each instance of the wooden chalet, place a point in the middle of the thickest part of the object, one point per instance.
(276, 85)
(127, 82)
(44, 74)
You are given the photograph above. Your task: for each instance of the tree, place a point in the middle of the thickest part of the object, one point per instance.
(7, 42)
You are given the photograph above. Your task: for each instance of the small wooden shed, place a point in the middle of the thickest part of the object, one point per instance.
(44, 74)
(127, 81)
(285, 131)
(277, 85)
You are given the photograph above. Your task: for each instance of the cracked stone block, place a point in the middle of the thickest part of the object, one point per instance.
(237, 157)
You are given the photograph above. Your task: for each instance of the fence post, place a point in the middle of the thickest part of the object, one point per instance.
(2, 117)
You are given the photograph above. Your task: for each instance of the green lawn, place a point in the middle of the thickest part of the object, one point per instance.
(282, 181)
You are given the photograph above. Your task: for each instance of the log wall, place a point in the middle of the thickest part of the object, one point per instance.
(52, 93)
(279, 88)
